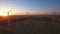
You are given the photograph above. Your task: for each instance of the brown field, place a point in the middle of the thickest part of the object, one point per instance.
(36, 24)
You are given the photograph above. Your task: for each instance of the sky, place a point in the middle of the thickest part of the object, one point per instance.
(32, 7)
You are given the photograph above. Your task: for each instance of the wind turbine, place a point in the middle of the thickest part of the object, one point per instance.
(27, 15)
(54, 16)
(8, 16)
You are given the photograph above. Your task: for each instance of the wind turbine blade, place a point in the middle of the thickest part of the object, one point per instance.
(10, 10)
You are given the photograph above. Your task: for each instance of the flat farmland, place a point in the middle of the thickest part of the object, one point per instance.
(44, 24)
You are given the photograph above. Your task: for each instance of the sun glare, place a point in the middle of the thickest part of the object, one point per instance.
(3, 12)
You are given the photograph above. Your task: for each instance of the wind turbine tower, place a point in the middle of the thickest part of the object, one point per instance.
(8, 17)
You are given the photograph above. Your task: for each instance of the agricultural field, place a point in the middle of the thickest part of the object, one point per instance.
(41, 24)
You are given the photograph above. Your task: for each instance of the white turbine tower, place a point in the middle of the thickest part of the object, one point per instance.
(8, 16)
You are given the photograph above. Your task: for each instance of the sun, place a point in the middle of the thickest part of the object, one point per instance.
(3, 13)
(6, 11)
